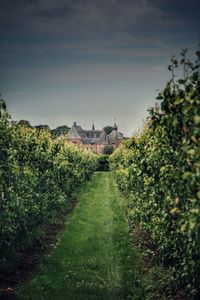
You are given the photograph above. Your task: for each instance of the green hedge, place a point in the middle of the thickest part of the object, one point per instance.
(37, 178)
(159, 170)
(103, 162)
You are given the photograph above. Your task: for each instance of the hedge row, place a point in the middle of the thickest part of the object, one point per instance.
(159, 171)
(37, 178)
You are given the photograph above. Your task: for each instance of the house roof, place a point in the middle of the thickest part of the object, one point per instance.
(94, 136)
(93, 133)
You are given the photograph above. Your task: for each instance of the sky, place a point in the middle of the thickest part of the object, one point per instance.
(90, 60)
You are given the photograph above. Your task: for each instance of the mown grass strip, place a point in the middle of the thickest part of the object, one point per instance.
(94, 258)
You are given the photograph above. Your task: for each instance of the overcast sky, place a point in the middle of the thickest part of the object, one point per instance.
(90, 60)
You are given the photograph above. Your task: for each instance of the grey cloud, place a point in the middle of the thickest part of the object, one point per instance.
(81, 17)
(106, 11)
(91, 26)
(54, 9)
(90, 53)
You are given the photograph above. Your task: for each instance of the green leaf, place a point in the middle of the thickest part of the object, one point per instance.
(187, 175)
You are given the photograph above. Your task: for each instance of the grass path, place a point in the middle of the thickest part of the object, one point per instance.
(94, 258)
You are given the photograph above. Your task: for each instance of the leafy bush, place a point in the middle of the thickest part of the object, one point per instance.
(37, 177)
(160, 172)
(108, 150)
(103, 163)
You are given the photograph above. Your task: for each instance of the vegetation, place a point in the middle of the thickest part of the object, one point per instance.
(103, 159)
(42, 127)
(60, 130)
(103, 162)
(37, 178)
(54, 132)
(159, 171)
(2, 106)
(108, 150)
(24, 123)
(94, 258)
(108, 129)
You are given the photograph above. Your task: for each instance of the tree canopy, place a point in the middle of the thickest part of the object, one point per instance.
(108, 129)
(60, 130)
(108, 150)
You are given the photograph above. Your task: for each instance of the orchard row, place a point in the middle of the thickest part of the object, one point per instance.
(38, 176)
(159, 172)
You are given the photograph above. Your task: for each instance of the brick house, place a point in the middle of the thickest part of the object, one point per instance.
(94, 140)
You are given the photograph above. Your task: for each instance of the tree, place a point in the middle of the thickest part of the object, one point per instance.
(159, 170)
(108, 129)
(108, 150)
(2, 106)
(24, 123)
(103, 162)
(60, 130)
(42, 127)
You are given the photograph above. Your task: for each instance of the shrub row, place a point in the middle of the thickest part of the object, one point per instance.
(159, 171)
(103, 162)
(37, 178)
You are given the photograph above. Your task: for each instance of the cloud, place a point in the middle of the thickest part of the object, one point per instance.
(66, 60)
(88, 75)
(86, 17)
(95, 27)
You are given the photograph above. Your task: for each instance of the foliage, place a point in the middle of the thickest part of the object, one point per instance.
(60, 130)
(37, 177)
(108, 150)
(25, 123)
(92, 258)
(108, 129)
(160, 171)
(42, 127)
(2, 106)
(103, 162)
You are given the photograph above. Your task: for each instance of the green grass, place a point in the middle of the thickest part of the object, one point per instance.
(94, 258)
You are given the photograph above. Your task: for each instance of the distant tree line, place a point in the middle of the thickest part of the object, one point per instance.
(60, 130)
(64, 129)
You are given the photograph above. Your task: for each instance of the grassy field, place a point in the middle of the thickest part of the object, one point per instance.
(94, 258)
